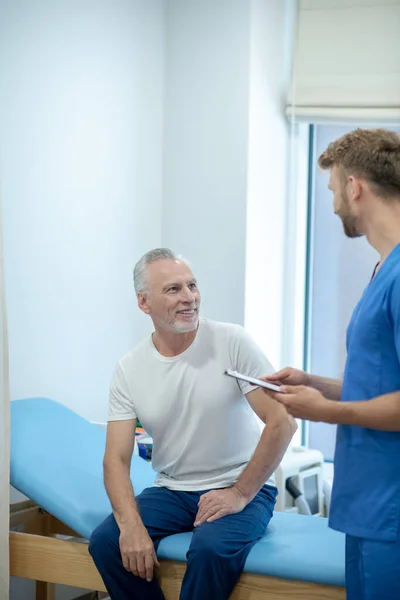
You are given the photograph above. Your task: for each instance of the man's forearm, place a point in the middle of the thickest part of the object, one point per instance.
(330, 388)
(266, 458)
(120, 492)
(382, 413)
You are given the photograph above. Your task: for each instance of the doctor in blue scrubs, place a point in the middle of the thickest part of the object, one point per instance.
(365, 180)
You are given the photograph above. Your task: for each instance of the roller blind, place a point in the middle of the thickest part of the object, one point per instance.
(346, 62)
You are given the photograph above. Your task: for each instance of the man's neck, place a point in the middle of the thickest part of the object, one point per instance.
(383, 231)
(171, 344)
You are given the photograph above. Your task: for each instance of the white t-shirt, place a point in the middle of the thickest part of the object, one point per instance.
(204, 431)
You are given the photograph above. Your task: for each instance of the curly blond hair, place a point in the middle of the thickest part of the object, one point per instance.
(371, 154)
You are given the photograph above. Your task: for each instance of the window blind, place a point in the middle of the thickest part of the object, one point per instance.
(346, 64)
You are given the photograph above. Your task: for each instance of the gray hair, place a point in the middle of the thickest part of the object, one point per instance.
(140, 270)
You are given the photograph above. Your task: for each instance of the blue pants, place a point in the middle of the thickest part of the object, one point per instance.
(372, 569)
(217, 551)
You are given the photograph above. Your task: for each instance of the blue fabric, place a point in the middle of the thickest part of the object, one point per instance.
(372, 569)
(366, 490)
(56, 460)
(216, 554)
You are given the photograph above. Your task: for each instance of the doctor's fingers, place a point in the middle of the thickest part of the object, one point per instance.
(289, 401)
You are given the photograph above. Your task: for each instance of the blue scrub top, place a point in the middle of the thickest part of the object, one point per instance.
(366, 489)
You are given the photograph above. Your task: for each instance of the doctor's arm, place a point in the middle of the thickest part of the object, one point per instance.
(330, 388)
(382, 412)
(303, 402)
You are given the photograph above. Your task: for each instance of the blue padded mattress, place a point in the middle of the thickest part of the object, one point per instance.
(56, 460)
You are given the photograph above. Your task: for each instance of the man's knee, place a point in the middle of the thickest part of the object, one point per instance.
(104, 540)
(206, 548)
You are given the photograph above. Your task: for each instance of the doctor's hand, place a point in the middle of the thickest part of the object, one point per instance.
(137, 551)
(219, 503)
(287, 376)
(305, 402)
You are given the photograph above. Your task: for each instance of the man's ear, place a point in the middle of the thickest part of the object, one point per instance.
(143, 303)
(355, 188)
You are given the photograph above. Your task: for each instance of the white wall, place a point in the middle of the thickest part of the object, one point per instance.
(226, 155)
(271, 32)
(80, 169)
(126, 126)
(206, 138)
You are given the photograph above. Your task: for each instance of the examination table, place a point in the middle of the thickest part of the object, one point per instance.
(56, 461)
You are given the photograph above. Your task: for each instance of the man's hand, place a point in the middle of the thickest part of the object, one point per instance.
(137, 551)
(288, 376)
(219, 503)
(305, 403)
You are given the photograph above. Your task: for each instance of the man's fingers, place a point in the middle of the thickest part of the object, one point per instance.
(221, 513)
(204, 507)
(205, 498)
(141, 567)
(207, 505)
(206, 515)
(133, 566)
(199, 517)
(125, 561)
(201, 511)
(149, 566)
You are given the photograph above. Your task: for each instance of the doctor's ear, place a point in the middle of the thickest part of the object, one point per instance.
(355, 188)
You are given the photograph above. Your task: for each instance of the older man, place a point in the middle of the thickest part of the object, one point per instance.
(212, 460)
